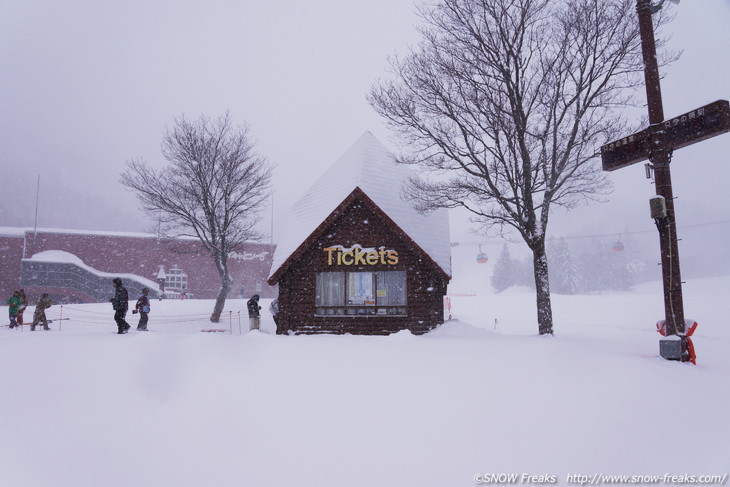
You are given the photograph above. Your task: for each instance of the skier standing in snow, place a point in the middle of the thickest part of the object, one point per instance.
(143, 308)
(254, 317)
(14, 304)
(274, 309)
(162, 288)
(39, 315)
(23, 305)
(120, 303)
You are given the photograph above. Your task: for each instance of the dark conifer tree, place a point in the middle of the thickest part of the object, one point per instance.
(504, 271)
(564, 275)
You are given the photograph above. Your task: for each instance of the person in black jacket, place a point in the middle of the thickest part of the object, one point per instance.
(120, 303)
(254, 317)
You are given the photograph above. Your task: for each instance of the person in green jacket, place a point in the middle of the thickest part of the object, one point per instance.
(14, 304)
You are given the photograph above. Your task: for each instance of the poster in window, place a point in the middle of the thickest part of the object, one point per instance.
(360, 288)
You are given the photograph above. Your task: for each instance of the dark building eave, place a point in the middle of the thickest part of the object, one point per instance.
(357, 194)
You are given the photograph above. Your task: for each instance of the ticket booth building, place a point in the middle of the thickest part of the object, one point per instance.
(359, 270)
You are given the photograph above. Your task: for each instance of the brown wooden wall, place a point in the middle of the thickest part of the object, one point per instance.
(358, 224)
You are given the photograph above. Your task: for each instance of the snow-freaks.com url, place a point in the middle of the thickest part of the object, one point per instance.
(669, 479)
(599, 479)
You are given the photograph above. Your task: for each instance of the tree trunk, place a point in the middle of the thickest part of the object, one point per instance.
(221, 262)
(542, 286)
(220, 301)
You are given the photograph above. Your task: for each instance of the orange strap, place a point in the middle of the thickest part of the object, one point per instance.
(661, 327)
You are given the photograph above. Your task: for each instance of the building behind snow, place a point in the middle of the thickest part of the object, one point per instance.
(356, 258)
(78, 266)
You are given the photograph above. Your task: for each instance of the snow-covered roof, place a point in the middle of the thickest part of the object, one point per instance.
(12, 232)
(61, 256)
(22, 230)
(58, 256)
(367, 165)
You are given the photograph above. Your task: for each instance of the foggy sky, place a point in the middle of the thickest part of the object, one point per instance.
(87, 85)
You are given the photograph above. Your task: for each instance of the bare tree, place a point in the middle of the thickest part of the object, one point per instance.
(212, 188)
(504, 104)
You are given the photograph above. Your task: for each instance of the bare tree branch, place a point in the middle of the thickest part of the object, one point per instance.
(213, 187)
(504, 104)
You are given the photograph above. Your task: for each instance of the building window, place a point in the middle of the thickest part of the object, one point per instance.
(360, 289)
(361, 293)
(176, 279)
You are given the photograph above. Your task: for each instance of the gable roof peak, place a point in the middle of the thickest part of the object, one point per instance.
(368, 165)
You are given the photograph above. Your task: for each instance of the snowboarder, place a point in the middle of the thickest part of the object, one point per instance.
(39, 315)
(162, 289)
(120, 303)
(14, 304)
(274, 309)
(143, 308)
(161, 278)
(254, 317)
(23, 305)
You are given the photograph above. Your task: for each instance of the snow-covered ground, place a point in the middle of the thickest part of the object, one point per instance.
(83, 406)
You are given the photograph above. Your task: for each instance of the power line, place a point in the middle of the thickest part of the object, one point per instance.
(598, 235)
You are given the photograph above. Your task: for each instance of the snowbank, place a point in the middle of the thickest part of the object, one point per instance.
(176, 407)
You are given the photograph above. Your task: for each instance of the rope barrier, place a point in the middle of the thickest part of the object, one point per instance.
(82, 316)
(105, 313)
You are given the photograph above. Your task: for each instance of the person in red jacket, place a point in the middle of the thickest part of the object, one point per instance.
(23, 305)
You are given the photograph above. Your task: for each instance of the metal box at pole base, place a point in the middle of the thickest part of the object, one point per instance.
(671, 348)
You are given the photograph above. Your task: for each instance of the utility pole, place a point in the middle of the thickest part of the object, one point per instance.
(35, 222)
(660, 156)
(657, 143)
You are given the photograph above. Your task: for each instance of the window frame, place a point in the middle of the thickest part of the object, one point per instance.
(365, 309)
(176, 279)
